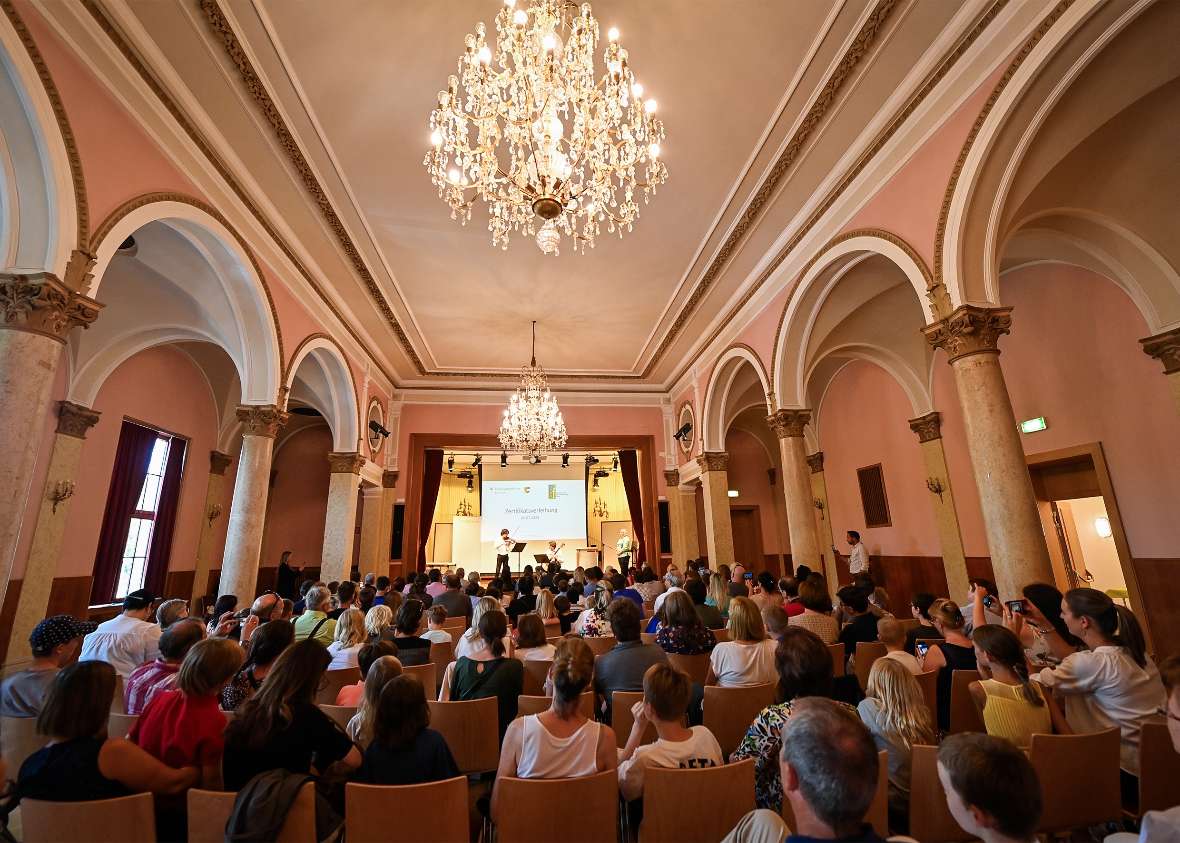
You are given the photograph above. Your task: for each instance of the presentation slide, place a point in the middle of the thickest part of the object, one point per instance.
(534, 509)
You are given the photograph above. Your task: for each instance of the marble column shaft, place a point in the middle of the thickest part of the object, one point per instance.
(340, 521)
(247, 514)
(675, 517)
(214, 511)
(385, 531)
(690, 534)
(1015, 538)
(372, 517)
(946, 516)
(788, 427)
(718, 523)
(1165, 348)
(819, 490)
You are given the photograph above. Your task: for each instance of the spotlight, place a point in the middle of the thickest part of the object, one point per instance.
(535, 460)
(503, 459)
(615, 463)
(565, 460)
(470, 485)
(451, 462)
(684, 431)
(477, 461)
(377, 428)
(591, 459)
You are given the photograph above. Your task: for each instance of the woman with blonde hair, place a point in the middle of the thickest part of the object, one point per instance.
(350, 637)
(955, 652)
(593, 623)
(895, 711)
(379, 623)
(470, 643)
(718, 594)
(747, 658)
(546, 609)
(362, 727)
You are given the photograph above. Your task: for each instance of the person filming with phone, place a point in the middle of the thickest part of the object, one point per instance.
(858, 556)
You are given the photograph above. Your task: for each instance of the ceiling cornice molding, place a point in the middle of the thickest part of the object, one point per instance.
(496, 398)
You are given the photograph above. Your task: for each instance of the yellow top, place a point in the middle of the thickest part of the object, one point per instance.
(1007, 714)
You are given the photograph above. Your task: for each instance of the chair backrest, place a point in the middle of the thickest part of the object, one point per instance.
(1159, 768)
(697, 667)
(621, 719)
(647, 637)
(867, 652)
(527, 704)
(928, 682)
(471, 730)
(118, 701)
(930, 818)
(965, 716)
(695, 806)
(368, 810)
(119, 725)
(19, 740)
(424, 673)
(598, 646)
(838, 661)
(535, 673)
(878, 813)
(442, 654)
(730, 711)
(209, 810)
(333, 681)
(340, 713)
(907, 624)
(127, 819)
(554, 640)
(1079, 777)
(532, 819)
(721, 634)
(455, 625)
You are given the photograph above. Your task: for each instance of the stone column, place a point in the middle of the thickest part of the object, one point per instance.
(942, 499)
(247, 514)
(73, 422)
(970, 338)
(372, 517)
(214, 510)
(385, 543)
(677, 515)
(819, 491)
(1165, 348)
(37, 311)
(788, 427)
(689, 531)
(340, 523)
(718, 526)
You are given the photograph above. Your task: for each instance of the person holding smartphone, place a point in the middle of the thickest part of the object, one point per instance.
(858, 556)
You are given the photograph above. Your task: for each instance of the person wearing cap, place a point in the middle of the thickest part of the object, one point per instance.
(127, 640)
(55, 643)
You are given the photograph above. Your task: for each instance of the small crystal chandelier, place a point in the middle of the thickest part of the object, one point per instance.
(600, 510)
(530, 130)
(532, 423)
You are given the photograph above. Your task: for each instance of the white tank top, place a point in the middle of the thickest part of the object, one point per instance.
(545, 756)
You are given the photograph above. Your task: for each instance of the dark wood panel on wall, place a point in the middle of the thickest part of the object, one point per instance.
(979, 567)
(69, 596)
(1160, 587)
(904, 576)
(8, 614)
(178, 584)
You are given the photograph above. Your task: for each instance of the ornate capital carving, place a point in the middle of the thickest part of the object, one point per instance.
(713, 461)
(346, 462)
(816, 462)
(41, 304)
(1165, 348)
(219, 462)
(74, 419)
(672, 477)
(928, 427)
(389, 479)
(261, 419)
(970, 330)
(78, 268)
(786, 423)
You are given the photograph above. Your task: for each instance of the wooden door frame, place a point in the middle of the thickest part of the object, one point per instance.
(754, 508)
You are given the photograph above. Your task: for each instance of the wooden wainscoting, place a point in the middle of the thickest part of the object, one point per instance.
(68, 596)
(903, 576)
(1160, 587)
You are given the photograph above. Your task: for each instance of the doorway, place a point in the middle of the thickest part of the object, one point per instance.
(746, 523)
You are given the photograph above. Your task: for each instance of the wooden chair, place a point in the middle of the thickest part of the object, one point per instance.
(697, 667)
(535, 674)
(928, 682)
(425, 674)
(601, 645)
(531, 818)
(441, 655)
(839, 664)
(730, 711)
(1159, 769)
(965, 716)
(19, 740)
(333, 681)
(721, 634)
(527, 704)
(930, 818)
(455, 626)
(369, 811)
(621, 719)
(867, 652)
(556, 639)
(127, 819)
(471, 730)
(119, 725)
(908, 623)
(118, 701)
(340, 713)
(647, 637)
(209, 810)
(695, 806)
(1079, 777)
(878, 813)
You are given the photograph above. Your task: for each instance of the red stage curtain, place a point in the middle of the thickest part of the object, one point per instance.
(629, 468)
(161, 549)
(131, 465)
(431, 481)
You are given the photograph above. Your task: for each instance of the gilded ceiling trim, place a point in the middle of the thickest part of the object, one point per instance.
(59, 112)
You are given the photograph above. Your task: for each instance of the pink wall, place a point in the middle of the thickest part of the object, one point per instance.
(748, 462)
(298, 504)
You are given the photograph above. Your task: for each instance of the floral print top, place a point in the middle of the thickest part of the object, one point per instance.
(592, 624)
(686, 640)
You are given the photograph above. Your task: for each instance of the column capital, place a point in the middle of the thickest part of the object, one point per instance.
(219, 462)
(388, 479)
(1165, 348)
(261, 419)
(74, 419)
(816, 462)
(788, 423)
(928, 427)
(40, 303)
(713, 461)
(970, 329)
(346, 462)
(672, 477)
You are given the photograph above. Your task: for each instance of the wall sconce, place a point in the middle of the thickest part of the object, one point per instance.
(62, 490)
(214, 513)
(818, 504)
(934, 484)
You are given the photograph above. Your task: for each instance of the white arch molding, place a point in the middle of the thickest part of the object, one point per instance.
(725, 371)
(337, 401)
(916, 390)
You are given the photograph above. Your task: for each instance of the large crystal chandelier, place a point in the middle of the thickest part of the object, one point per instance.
(532, 422)
(529, 130)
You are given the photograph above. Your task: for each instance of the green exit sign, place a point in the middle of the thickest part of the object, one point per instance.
(1033, 425)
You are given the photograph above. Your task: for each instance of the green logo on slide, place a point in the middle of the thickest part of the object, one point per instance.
(552, 491)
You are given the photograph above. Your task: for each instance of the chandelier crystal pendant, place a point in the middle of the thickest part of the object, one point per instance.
(529, 128)
(532, 422)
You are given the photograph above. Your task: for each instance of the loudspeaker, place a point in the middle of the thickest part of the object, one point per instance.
(399, 523)
(665, 528)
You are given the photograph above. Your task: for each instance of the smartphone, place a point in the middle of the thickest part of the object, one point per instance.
(989, 602)
(1016, 607)
(749, 576)
(922, 649)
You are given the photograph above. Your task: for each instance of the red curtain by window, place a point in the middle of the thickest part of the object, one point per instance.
(131, 465)
(629, 468)
(161, 548)
(431, 481)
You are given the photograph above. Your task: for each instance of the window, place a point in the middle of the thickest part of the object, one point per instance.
(872, 496)
(143, 522)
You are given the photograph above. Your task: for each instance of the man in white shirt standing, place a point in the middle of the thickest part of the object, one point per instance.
(128, 640)
(858, 556)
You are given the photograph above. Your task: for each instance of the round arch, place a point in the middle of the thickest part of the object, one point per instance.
(916, 389)
(330, 388)
(90, 375)
(717, 394)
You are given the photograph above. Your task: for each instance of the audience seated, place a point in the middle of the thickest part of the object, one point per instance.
(956, 652)
(983, 605)
(683, 632)
(618, 584)
(55, 642)
(223, 613)
(281, 728)
(920, 605)
(1011, 705)
(266, 645)
(452, 600)
(861, 623)
(718, 595)
(524, 601)
(171, 611)
(991, 788)
(566, 613)
(766, 593)
(417, 591)
(381, 670)
(623, 668)
(666, 696)
(160, 674)
(1041, 627)
(594, 577)
(737, 581)
(314, 623)
(127, 640)
(547, 612)
(698, 592)
(890, 633)
(434, 584)
(748, 657)
(817, 610)
(673, 581)
(379, 623)
(351, 695)
(350, 636)
(404, 749)
(593, 622)
(776, 621)
(471, 642)
(789, 587)
(435, 619)
(648, 584)
(411, 648)
(344, 599)
(531, 644)
(488, 672)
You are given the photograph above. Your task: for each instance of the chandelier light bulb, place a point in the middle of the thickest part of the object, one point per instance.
(454, 176)
(654, 150)
(436, 138)
(636, 90)
(650, 106)
(613, 33)
(485, 55)
(520, 17)
(549, 42)
(509, 3)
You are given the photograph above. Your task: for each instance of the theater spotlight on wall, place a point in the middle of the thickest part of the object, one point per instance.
(451, 462)
(685, 429)
(503, 459)
(565, 460)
